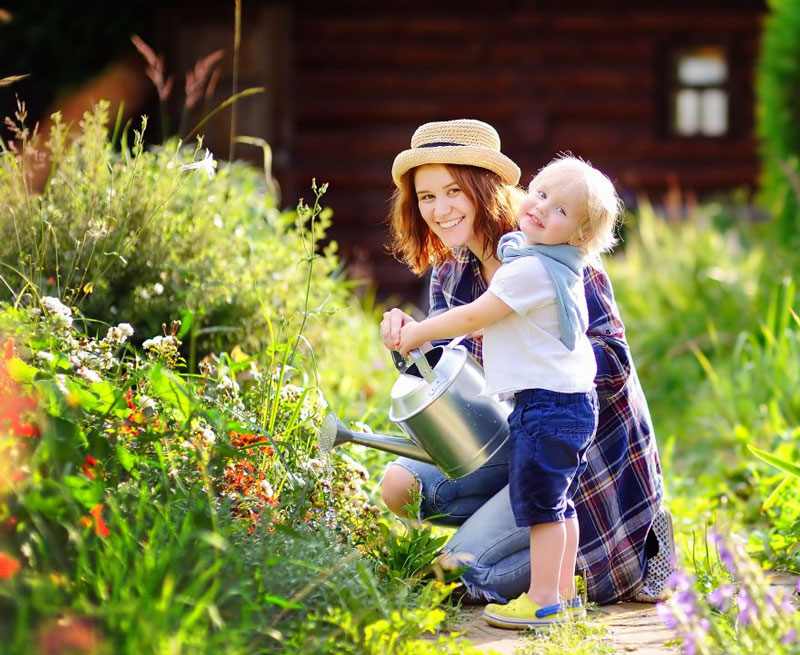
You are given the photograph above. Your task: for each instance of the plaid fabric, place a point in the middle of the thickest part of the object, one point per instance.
(622, 487)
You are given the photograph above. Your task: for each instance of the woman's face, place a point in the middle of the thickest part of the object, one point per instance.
(447, 210)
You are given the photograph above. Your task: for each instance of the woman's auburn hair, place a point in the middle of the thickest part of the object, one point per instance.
(413, 242)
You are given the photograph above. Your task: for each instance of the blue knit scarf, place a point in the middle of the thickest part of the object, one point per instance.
(564, 264)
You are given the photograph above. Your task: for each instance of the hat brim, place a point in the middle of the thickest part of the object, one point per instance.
(487, 158)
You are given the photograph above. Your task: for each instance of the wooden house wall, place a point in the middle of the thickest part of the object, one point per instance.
(582, 76)
(348, 81)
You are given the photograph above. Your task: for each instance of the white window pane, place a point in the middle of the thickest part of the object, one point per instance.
(703, 69)
(714, 112)
(687, 112)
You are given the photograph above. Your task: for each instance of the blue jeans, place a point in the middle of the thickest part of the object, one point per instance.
(487, 538)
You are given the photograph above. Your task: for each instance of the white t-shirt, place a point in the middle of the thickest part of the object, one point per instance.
(523, 350)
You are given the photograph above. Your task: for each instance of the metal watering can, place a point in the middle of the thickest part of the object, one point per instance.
(436, 402)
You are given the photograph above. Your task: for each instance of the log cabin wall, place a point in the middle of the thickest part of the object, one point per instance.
(349, 81)
(590, 77)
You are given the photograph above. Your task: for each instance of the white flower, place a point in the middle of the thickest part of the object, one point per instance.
(157, 342)
(119, 334)
(45, 355)
(208, 435)
(226, 384)
(266, 488)
(88, 374)
(207, 164)
(151, 343)
(158, 288)
(314, 465)
(58, 310)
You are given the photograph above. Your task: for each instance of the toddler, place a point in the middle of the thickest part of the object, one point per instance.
(536, 351)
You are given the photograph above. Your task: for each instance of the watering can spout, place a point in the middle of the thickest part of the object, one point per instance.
(333, 433)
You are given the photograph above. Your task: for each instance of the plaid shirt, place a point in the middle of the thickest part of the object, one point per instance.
(622, 487)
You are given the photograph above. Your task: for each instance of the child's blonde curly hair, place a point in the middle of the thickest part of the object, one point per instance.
(602, 207)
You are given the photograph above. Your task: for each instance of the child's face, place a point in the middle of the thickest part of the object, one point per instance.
(447, 210)
(551, 211)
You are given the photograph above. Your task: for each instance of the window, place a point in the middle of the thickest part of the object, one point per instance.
(699, 98)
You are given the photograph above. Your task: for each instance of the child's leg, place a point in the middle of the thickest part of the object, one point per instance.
(566, 582)
(548, 541)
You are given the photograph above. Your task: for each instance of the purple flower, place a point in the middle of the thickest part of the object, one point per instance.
(721, 598)
(789, 638)
(666, 615)
(686, 603)
(679, 581)
(748, 610)
(778, 601)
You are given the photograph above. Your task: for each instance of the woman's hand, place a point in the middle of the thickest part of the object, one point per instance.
(393, 321)
(410, 338)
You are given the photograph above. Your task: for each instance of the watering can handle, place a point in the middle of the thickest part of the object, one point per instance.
(455, 342)
(400, 362)
(423, 366)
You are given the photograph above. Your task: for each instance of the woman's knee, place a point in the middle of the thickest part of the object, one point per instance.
(398, 488)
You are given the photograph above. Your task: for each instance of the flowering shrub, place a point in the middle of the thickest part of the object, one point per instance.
(149, 236)
(124, 479)
(742, 613)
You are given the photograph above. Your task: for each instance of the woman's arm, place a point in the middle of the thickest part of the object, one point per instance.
(484, 311)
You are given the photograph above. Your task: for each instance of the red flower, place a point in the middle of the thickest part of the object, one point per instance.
(8, 566)
(100, 526)
(8, 348)
(88, 464)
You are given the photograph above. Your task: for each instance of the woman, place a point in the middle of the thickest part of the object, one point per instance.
(455, 197)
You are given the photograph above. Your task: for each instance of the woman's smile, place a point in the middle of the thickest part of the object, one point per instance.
(446, 225)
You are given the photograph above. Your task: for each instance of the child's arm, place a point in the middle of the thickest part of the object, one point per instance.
(460, 320)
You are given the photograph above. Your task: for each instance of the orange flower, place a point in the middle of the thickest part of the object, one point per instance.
(8, 566)
(8, 348)
(100, 526)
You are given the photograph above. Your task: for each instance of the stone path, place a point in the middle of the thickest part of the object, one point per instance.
(632, 628)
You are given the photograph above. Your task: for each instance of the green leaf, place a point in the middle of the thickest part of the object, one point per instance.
(126, 458)
(20, 371)
(107, 396)
(784, 465)
(282, 602)
(47, 499)
(85, 491)
(172, 391)
(62, 443)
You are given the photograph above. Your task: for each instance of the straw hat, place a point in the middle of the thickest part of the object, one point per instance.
(464, 141)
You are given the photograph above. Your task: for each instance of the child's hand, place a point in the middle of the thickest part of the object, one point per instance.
(410, 338)
(477, 335)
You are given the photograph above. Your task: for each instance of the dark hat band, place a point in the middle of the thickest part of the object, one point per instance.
(439, 144)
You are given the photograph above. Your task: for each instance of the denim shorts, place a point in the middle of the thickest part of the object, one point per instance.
(550, 433)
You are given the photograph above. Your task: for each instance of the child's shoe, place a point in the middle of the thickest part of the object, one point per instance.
(522, 613)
